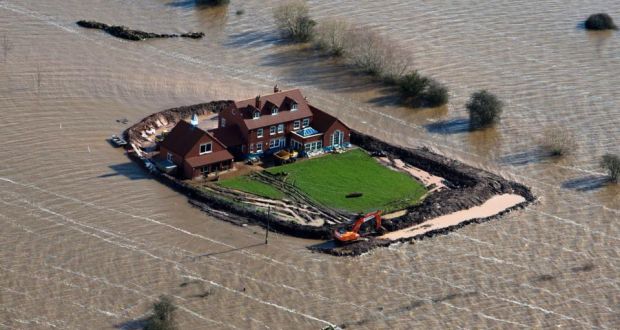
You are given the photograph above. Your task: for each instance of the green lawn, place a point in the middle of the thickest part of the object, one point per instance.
(244, 183)
(330, 178)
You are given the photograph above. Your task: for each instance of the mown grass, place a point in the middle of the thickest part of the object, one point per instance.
(330, 178)
(246, 184)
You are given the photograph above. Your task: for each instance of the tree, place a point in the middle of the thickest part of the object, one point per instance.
(484, 109)
(611, 163)
(294, 22)
(412, 84)
(436, 94)
(600, 21)
(558, 141)
(163, 315)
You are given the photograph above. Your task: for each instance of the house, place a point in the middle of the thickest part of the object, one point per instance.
(253, 127)
(281, 120)
(195, 152)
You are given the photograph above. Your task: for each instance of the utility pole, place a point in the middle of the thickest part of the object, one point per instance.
(267, 231)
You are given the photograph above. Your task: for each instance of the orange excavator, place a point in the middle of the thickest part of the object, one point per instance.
(348, 236)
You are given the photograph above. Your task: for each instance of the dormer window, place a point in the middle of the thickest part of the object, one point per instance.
(205, 148)
(256, 115)
(274, 111)
(293, 106)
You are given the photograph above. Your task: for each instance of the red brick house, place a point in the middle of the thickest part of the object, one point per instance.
(195, 151)
(253, 127)
(282, 120)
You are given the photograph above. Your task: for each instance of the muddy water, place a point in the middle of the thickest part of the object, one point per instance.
(88, 241)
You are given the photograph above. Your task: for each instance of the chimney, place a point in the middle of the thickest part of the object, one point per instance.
(257, 103)
(276, 89)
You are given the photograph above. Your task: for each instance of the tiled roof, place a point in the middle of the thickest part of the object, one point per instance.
(214, 157)
(182, 138)
(322, 121)
(282, 101)
(230, 136)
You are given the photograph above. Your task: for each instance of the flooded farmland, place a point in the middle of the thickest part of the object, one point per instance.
(88, 240)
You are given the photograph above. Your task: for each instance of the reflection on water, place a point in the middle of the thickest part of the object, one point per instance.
(79, 221)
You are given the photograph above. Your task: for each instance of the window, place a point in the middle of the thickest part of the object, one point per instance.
(296, 124)
(280, 128)
(205, 148)
(223, 122)
(337, 138)
(259, 133)
(256, 115)
(169, 156)
(274, 111)
(259, 147)
(294, 106)
(274, 143)
(272, 130)
(306, 122)
(251, 147)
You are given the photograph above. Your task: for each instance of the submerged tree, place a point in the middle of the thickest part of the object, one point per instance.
(163, 315)
(600, 21)
(294, 22)
(558, 141)
(484, 109)
(331, 36)
(212, 2)
(611, 163)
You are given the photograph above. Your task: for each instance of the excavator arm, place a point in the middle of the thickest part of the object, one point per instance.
(352, 235)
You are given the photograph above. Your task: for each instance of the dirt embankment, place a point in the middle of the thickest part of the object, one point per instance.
(469, 187)
(134, 35)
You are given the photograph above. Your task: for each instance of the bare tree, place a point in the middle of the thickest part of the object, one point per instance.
(7, 46)
(331, 36)
(294, 21)
(558, 141)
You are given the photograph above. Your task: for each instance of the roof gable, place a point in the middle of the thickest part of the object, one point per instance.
(282, 100)
(322, 121)
(184, 136)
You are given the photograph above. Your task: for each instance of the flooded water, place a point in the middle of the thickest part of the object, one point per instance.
(87, 240)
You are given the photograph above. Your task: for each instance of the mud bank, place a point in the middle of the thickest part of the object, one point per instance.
(134, 35)
(469, 187)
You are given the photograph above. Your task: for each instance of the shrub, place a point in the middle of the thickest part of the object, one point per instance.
(436, 94)
(612, 164)
(558, 141)
(163, 315)
(600, 21)
(422, 91)
(294, 22)
(240, 12)
(331, 36)
(484, 109)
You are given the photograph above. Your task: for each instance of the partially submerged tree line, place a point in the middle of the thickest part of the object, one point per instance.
(364, 49)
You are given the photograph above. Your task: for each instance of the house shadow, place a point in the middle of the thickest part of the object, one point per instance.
(132, 324)
(449, 126)
(129, 170)
(526, 157)
(587, 183)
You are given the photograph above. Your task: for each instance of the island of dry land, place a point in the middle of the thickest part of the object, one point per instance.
(421, 193)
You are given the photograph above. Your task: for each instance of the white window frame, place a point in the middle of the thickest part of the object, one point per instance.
(272, 130)
(306, 122)
(297, 124)
(274, 111)
(280, 128)
(251, 147)
(259, 133)
(200, 152)
(223, 122)
(294, 106)
(170, 157)
(256, 114)
(259, 147)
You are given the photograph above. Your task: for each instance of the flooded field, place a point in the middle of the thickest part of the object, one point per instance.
(87, 240)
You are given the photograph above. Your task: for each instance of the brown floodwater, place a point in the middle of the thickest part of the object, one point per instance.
(88, 240)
